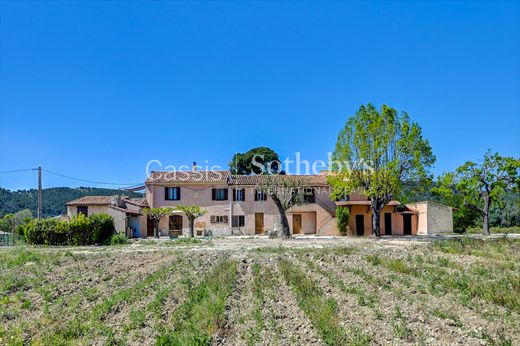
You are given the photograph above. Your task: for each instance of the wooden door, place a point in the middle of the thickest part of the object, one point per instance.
(259, 223)
(297, 223)
(149, 227)
(407, 224)
(175, 222)
(360, 225)
(388, 223)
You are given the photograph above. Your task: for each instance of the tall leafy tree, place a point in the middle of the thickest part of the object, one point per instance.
(376, 152)
(192, 212)
(156, 215)
(482, 184)
(261, 160)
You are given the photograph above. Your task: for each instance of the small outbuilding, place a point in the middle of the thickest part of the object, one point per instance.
(126, 212)
(433, 218)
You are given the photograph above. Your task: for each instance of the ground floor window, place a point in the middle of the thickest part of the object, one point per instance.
(238, 221)
(82, 209)
(219, 219)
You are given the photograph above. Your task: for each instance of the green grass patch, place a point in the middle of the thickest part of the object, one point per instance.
(186, 241)
(89, 323)
(445, 315)
(119, 239)
(197, 320)
(498, 287)
(494, 230)
(499, 249)
(261, 281)
(321, 310)
(363, 298)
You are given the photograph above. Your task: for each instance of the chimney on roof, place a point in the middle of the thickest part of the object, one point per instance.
(194, 166)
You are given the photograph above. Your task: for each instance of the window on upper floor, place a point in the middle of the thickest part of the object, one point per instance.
(260, 196)
(219, 194)
(172, 193)
(239, 195)
(308, 195)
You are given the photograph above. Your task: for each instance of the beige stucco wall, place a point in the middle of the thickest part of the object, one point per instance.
(434, 217)
(397, 220)
(422, 222)
(201, 195)
(119, 216)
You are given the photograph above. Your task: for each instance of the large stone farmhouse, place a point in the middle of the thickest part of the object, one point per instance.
(236, 206)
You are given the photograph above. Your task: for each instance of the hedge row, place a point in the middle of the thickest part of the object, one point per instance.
(80, 230)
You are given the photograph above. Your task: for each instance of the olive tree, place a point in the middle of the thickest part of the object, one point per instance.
(192, 212)
(286, 191)
(156, 214)
(480, 185)
(376, 152)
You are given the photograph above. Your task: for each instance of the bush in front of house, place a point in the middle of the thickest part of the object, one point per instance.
(103, 227)
(119, 239)
(80, 230)
(342, 219)
(46, 232)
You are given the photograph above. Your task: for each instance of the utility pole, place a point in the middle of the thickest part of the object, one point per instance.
(40, 192)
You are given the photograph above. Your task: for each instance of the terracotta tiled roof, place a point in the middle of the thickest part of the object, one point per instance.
(108, 200)
(307, 180)
(130, 212)
(140, 202)
(224, 177)
(188, 177)
(391, 203)
(92, 200)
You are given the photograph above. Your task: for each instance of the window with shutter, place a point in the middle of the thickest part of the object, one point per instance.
(172, 193)
(260, 196)
(239, 195)
(219, 219)
(220, 194)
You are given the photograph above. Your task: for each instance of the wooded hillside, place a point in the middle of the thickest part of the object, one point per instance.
(54, 199)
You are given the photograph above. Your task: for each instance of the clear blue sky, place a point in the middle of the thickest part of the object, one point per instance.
(96, 89)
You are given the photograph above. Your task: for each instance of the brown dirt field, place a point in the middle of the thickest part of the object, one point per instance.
(355, 291)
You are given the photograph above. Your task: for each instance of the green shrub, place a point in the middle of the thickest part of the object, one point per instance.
(342, 219)
(478, 230)
(80, 230)
(46, 232)
(119, 239)
(102, 227)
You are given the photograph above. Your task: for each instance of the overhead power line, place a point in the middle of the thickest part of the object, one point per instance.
(73, 178)
(20, 170)
(89, 181)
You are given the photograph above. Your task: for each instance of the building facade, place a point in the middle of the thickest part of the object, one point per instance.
(237, 205)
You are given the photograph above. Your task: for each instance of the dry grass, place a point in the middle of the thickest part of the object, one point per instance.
(464, 291)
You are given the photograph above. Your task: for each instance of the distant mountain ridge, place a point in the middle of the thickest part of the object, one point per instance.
(54, 198)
